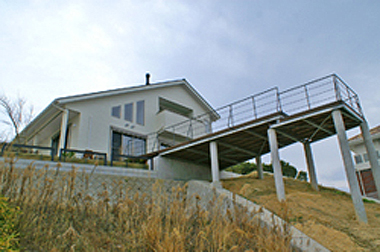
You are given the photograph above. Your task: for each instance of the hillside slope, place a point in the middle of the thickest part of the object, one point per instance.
(327, 216)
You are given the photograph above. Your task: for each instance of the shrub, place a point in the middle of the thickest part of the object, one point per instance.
(8, 231)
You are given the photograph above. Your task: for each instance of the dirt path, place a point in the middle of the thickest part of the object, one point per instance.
(327, 216)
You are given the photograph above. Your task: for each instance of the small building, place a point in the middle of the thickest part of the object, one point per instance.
(119, 121)
(362, 165)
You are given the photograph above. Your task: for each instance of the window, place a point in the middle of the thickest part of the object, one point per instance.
(133, 146)
(140, 114)
(127, 144)
(366, 157)
(358, 159)
(128, 112)
(116, 111)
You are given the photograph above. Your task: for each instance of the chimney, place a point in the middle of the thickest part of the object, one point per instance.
(147, 76)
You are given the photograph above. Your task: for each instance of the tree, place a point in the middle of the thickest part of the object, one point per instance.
(243, 168)
(17, 113)
(247, 167)
(302, 175)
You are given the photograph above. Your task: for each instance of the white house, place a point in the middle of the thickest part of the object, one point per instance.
(363, 168)
(119, 121)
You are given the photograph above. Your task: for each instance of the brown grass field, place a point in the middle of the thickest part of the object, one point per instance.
(327, 216)
(54, 216)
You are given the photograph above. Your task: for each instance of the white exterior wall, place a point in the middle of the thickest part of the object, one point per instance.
(74, 132)
(358, 148)
(168, 168)
(92, 129)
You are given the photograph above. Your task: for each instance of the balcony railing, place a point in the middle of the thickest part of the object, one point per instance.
(295, 100)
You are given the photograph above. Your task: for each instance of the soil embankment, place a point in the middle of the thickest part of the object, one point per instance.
(327, 216)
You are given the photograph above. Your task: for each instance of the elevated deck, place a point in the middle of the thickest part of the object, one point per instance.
(300, 114)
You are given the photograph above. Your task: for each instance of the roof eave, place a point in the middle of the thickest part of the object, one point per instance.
(97, 95)
(51, 107)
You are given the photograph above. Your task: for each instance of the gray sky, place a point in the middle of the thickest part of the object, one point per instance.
(226, 49)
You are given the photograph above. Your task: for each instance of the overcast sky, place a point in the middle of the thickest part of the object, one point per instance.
(225, 49)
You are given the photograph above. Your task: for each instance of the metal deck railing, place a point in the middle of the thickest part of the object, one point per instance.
(292, 101)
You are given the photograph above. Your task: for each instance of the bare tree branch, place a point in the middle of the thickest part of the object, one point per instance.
(16, 113)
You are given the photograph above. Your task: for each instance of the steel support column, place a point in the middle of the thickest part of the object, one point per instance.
(279, 182)
(372, 155)
(259, 167)
(310, 166)
(349, 166)
(214, 162)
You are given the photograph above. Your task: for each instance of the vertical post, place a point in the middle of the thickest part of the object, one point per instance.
(336, 88)
(372, 155)
(259, 167)
(272, 137)
(214, 162)
(310, 166)
(210, 123)
(230, 117)
(254, 107)
(62, 137)
(349, 166)
(307, 97)
(359, 108)
(190, 130)
(173, 136)
(156, 145)
(151, 165)
(279, 106)
(349, 96)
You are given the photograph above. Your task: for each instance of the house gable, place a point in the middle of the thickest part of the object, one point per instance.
(135, 111)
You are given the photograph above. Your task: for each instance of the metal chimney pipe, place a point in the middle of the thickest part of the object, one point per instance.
(147, 76)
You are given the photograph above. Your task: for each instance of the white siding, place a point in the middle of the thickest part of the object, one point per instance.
(92, 128)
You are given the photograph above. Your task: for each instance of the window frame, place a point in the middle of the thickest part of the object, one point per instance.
(116, 111)
(358, 159)
(140, 112)
(128, 112)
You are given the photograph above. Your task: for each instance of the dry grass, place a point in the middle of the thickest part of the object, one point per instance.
(327, 216)
(57, 216)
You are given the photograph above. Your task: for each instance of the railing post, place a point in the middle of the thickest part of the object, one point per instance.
(173, 135)
(190, 130)
(254, 107)
(279, 106)
(349, 95)
(336, 88)
(358, 105)
(230, 117)
(157, 142)
(307, 97)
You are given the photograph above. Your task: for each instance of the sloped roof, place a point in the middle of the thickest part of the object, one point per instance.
(118, 91)
(374, 131)
(55, 106)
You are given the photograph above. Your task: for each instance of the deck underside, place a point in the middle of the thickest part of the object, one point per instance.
(248, 140)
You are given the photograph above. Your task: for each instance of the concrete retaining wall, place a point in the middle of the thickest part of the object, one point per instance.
(207, 193)
(94, 180)
(168, 168)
